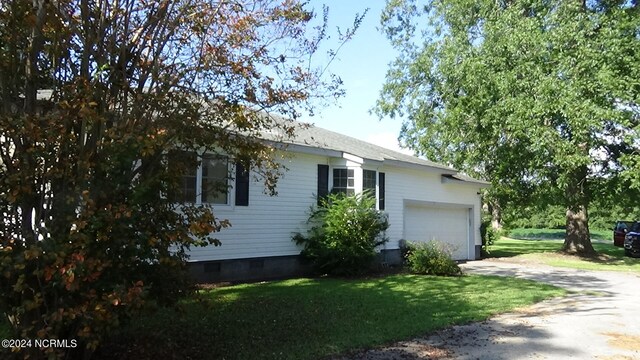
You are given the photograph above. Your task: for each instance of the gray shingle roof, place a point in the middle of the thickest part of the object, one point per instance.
(313, 136)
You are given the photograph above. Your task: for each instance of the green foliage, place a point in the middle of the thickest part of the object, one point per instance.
(345, 231)
(539, 97)
(487, 233)
(268, 320)
(603, 215)
(549, 217)
(168, 284)
(431, 258)
(94, 97)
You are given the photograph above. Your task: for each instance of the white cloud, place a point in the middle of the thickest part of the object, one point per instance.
(387, 140)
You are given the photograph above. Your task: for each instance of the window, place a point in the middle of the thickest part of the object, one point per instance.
(187, 162)
(188, 191)
(344, 181)
(369, 182)
(215, 171)
(206, 182)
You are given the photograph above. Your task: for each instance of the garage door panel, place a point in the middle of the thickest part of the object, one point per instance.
(445, 224)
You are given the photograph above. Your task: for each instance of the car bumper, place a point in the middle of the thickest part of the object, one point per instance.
(632, 249)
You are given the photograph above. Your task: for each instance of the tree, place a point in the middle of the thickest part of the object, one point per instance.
(94, 98)
(540, 97)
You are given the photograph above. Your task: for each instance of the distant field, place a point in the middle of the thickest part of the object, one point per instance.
(555, 234)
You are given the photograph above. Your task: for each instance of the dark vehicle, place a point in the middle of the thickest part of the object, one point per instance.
(632, 241)
(620, 231)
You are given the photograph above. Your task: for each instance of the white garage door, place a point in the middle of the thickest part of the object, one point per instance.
(445, 224)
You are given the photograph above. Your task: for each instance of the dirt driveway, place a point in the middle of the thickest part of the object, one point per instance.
(600, 319)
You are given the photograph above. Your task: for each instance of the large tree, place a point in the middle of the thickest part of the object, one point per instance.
(94, 98)
(540, 97)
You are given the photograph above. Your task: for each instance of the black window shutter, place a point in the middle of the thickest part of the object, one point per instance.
(323, 181)
(381, 185)
(242, 185)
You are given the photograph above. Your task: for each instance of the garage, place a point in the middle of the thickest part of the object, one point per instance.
(444, 222)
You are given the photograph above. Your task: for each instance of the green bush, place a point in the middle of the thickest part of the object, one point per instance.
(168, 284)
(430, 258)
(345, 230)
(488, 234)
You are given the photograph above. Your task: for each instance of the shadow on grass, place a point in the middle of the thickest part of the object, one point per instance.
(506, 247)
(554, 234)
(312, 318)
(549, 252)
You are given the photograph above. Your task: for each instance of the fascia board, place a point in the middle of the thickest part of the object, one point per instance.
(408, 165)
(310, 150)
(449, 180)
(355, 159)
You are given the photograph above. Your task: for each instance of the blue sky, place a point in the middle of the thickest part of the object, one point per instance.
(362, 64)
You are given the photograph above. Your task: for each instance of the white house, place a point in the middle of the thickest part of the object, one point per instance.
(423, 200)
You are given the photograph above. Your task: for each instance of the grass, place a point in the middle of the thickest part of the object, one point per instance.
(314, 318)
(555, 234)
(546, 251)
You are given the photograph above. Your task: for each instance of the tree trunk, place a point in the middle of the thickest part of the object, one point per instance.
(577, 240)
(496, 215)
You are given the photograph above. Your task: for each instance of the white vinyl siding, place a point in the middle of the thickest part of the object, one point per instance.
(265, 227)
(407, 185)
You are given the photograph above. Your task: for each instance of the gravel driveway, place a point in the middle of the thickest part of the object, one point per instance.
(600, 319)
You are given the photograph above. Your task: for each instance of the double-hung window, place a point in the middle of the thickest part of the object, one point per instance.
(344, 181)
(369, 182)
(215, 172)
(188, 187)
(205, 180)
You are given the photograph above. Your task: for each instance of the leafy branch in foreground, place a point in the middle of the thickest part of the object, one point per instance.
(94, 95)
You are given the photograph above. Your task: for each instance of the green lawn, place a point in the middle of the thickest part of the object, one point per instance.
(313, 318)
(610, 258)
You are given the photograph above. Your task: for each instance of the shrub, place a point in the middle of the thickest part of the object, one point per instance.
(168, 284)
(488, 234)
(345, 230)
(431, 258)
